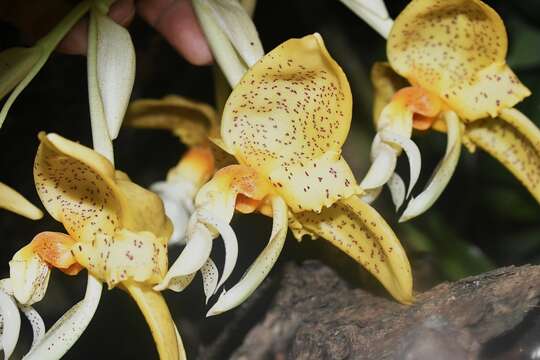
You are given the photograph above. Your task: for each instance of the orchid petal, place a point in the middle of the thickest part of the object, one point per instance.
(115, 70)
(397, 190)
(229, 240)
(442, 174)
(382, 167)
(475, 81)
(373, 12)
(101, 137)
(258, 271)
(180, 283)
(192, 121)
(15, 202)
(10, 323)
(38, 326)
(236, 23)
(65, 332)
(103, 211)
(192, 258)
(109, 195)
(178, 203)
(125, 255)
(514, 140)
(224, 53)
(358, 230)
(291, 129)
(370, 195)
(210, 277)
(412, 151)
(29, 276)
(158, 318)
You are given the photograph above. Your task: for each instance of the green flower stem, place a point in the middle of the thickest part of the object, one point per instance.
(47, 45)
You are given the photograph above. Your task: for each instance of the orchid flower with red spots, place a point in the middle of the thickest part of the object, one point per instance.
(29, 292)
(447, 71)
(193, 123)
(285, 123)
(116, 230)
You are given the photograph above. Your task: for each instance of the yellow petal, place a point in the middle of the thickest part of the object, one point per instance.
(193, 122)
(357, 229)
(158, 317)
(81, 189)
(15, 202)
(513, 140)
(457, 49)
(288, 118)
(126, 255)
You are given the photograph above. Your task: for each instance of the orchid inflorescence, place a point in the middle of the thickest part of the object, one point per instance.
(272, 146)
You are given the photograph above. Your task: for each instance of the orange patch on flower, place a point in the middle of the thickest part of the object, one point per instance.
(425, 105)
(55, 249)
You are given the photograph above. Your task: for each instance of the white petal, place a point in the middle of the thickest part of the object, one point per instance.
(63, 334)
(236, 23)
(38, 327)
(262, 265)
(178, 202)
(194, 255)
(225, 55)
(11, 323)
(373, 12)
(442, 174)
(210, 276)
(29, 279)
(412, 151)
(179, 283)
(382, 167)
(397, 190)
(100, 129)
(371, 195)
(115, 70)
(229, 240)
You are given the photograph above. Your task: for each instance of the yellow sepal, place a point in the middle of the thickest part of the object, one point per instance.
(358, 230)
(288, 119)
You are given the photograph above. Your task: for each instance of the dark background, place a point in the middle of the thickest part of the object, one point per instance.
(484, 219)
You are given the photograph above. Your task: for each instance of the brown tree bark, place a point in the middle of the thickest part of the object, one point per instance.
(315, 315)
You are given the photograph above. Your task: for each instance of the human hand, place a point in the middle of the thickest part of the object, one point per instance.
(174, 19)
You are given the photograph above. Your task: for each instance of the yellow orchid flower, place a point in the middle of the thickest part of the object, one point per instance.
(115, 229)
(193, 123)
(448, 72)
(29, 292)
(285, 123)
